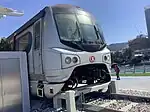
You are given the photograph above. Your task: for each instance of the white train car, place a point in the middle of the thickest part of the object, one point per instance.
(65, 47)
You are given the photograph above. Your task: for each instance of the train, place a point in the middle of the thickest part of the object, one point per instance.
(65, 48)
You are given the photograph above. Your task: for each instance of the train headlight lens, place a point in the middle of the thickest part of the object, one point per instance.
(74, 59)
(68, 60)
(107, 58)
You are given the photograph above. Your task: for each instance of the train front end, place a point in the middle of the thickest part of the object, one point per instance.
(84, 56)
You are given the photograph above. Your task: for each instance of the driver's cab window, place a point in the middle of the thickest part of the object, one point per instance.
(67, 27)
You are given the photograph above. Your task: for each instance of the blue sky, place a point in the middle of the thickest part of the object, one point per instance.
(121, 20)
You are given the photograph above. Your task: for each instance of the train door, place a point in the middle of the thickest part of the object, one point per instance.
(37, 51)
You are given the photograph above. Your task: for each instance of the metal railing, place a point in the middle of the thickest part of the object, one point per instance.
(133, 69)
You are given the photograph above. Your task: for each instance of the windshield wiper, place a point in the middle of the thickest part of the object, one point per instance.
(98, 35)
(76, 31)
(96, 32)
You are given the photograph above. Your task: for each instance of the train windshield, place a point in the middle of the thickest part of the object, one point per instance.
(88, 30)
(68, 27)
(79, 30)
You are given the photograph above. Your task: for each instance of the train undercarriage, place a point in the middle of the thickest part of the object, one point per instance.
(87, 74)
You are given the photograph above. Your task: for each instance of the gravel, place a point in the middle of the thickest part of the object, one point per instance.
(118, 104)
(99, 101)
(44, 106)
(142, 107)
(135, 92)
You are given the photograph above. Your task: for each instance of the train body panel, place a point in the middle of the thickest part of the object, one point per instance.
(54, 75)
(64, 48)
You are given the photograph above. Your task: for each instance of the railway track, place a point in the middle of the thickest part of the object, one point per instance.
(133, 101)
(125, 101)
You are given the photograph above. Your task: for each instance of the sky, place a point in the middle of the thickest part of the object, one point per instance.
(121, 20)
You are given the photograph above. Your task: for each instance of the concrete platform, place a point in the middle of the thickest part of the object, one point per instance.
(131, 82)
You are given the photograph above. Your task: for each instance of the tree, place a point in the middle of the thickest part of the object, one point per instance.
(139, 43)
(127, 54)
(4, 45)
(146, 57)
(112, 57)
(117, 57)
(136, 60)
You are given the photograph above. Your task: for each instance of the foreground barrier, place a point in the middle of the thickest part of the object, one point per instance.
(69, 96)
(14, 89)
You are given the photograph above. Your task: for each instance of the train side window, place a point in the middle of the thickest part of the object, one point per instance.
(12, 45)
(37, 35)
(24, 42)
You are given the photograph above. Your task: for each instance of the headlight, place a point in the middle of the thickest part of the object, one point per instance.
(107, 58)
(74, 59)
(68, 60)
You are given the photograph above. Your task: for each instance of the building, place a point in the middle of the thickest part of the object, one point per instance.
(147, 17)
(143, 51)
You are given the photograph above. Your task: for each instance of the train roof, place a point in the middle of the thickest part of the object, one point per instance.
(28, 23)
(37, 17)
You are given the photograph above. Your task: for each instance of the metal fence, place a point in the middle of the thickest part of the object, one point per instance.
(133, 69)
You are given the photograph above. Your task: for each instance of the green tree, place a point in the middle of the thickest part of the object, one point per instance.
(139, 43)
(4, 45)
(112, 57)
(127, 54)
(117, 57)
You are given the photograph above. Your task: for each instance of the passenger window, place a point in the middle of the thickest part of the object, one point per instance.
(37, 35)
(12, 45)
(24, 42)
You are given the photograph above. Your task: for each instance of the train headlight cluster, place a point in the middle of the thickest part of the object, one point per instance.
(69, 60)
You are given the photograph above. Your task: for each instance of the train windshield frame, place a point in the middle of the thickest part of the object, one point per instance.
(79, 30)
